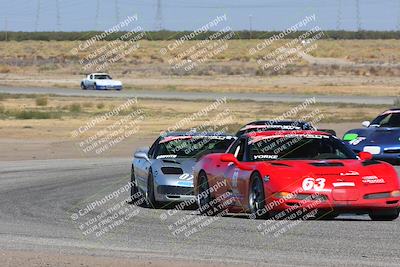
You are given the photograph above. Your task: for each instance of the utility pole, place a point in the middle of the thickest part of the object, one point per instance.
(58, 15)
(398, 16)
(6, 28)
(38, 7)
(339, 16)
(159, 23)
(97, 14)
(358, 15)
(251, 25)
(116, 11)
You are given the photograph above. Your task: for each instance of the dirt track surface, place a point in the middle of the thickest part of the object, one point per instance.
(37, 198)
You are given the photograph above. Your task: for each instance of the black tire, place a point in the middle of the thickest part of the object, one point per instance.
(137, 197)
(151, 200)
(83, 87)
(257, 198)
(326, 215)
(204, 197)
(384, 215)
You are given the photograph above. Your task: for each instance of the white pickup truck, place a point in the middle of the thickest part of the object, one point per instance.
(100, 81)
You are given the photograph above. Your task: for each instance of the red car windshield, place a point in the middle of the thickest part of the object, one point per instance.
(298, 147)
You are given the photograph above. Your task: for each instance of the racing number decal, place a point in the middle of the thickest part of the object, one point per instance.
(235, 178)
(311, 183)
(186, 177)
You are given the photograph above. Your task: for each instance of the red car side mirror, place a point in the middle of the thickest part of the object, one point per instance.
(365, 155)
(231, 158)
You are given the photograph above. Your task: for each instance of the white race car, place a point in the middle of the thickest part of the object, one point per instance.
(100, 81)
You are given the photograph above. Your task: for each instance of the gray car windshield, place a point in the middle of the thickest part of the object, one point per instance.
(191, 147)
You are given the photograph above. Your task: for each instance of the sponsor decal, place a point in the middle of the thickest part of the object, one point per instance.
(349, 173)
(350, 136)
(344, 184)
(311, 183)
(357, 140)
(186, 177)
(264, 137)
(265, 156)
(166, 156)
(372, 179)
(185, 183)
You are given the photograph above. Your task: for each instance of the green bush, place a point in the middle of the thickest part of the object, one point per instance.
(75, 107)
(87, 104)
(100, 105)
(32, 114)
(41, 101)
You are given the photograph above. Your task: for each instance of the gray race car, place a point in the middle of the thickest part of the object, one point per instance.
(163, 173)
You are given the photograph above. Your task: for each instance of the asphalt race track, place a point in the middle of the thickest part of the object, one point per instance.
(38, 197)
(375, 100)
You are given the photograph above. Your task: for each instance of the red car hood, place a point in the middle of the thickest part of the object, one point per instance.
(333, 171)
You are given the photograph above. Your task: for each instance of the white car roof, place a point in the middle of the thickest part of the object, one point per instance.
(98, 73)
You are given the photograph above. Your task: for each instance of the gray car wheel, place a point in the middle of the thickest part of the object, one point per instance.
(151, 200)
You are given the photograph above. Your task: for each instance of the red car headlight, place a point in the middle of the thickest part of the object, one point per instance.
(395, 193)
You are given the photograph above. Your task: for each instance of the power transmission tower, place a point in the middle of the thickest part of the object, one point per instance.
(58, 15)
(159, 19)
(38, 7)
(358, 15)
(6, 29)
(97, 14)
(251, 25)
(116, 11)
(398, 17)
(339, 16)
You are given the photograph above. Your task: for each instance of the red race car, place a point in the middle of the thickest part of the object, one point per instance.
(266, 173)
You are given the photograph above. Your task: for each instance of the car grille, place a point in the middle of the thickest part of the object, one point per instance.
(392, 150)
(171, 170)
(175, 190)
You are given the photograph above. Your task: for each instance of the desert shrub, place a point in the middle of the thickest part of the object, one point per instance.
(33, 114)
(87, 104)
(75, 107)
(100, 105)
(41, 101)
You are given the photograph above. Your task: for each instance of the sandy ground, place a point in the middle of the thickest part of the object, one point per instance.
(12, 258)
(30, 145)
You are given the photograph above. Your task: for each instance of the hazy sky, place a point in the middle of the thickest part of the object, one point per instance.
(80, 15)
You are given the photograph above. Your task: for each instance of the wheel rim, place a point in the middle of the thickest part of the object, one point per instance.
(203, 199)
(255, 197)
